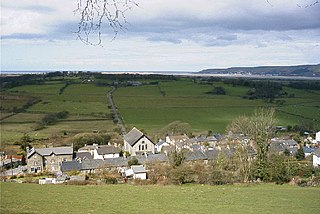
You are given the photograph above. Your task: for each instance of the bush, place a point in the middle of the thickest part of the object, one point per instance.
(181, 175)
(133, 161)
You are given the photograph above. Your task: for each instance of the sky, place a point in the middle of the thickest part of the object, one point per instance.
(162, 35)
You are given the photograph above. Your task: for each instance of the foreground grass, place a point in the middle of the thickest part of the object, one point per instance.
(266, 198)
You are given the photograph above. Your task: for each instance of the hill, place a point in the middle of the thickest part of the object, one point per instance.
(298, 70)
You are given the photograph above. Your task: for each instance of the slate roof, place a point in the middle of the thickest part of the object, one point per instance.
(152, 157)
(51, 150)
(196, 155)
(118, 162)
(178, 138)
(212, 154)
(84, 155)
(70, 166)
(108, 149)
(308, 150)
(138, 169)
(92, 164)
(133, 136)
(317, 152)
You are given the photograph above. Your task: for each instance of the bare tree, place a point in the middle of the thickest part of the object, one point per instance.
(98, 15)
(260, 126)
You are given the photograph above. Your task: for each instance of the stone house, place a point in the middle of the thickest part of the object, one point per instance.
(135, 142)
(47, 159)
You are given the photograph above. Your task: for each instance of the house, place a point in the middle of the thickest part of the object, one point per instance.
(318, 137)
(135, 142)
(175, 139)
(136, 172)
(106, 151)
(88, 148)
(96, 151)
(280, 145)
(47, 159)
(316, 158)
(83, 156)
(11, 161)
(160, 145)
(308, 151)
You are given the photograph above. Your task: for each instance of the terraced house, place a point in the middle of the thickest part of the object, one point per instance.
(47, 159)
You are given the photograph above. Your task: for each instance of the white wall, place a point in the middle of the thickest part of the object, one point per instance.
(142, 176)
(315, 161)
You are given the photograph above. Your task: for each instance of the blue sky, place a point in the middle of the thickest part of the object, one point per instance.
(163, 35)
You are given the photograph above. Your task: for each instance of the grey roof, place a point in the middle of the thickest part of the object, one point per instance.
(84, 155)
(196, 155)
(108, 149)
(70, 166)
(317, 152)
(118, 162)
(138, 169)
(133, 136)
(161, 142)
(308, 150)
(152, 157)
(52, 150)
(91, 164)
(212, 154)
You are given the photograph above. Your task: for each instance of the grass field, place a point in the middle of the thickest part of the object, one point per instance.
(264, 198)
(86, 104)
(147, 108)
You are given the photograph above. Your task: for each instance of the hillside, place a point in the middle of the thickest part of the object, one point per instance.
(299, 70)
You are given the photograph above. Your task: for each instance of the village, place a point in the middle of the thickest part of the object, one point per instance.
(131, 160)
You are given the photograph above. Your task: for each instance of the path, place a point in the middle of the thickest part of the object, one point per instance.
(115, 112)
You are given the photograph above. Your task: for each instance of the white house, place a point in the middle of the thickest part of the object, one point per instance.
(174, 139)
(106, 151)
(135, 142)
(160, 145)
(316, 158)
(137, 172)
(318, 136)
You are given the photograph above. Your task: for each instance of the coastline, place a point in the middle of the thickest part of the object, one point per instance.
(174, 73)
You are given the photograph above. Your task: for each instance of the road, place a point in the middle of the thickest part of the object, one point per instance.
(114, 112)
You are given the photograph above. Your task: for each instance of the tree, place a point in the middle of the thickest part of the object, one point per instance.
(97, 15)
(300, 154)
(260, 126)
(176, 158)
(25, 141)
(133, 161)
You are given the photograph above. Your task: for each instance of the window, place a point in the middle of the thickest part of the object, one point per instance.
(38, 168)
(32, 169)
(35, 163)
(146, 146)
(52, 161)
(35, 156)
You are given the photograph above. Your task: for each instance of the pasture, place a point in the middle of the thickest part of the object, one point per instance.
(123, 198)
(152, 107)
(148, 107)
(86, 104)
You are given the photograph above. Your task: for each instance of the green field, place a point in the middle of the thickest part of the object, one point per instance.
(264, 198)
(148, 107)
(184, 100)
(86, 103)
